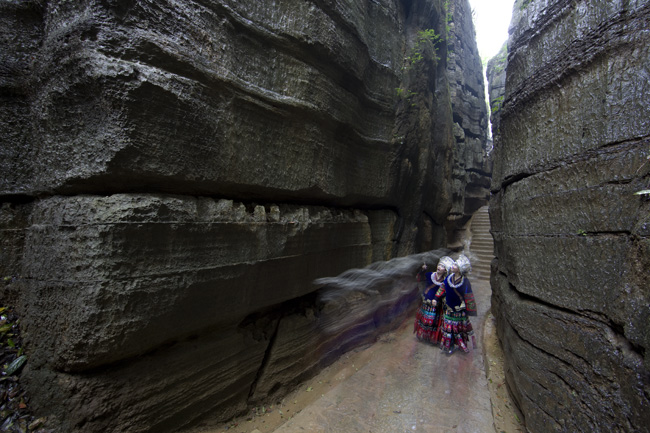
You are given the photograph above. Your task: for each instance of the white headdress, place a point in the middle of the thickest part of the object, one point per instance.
(447, 262)
(464, 265)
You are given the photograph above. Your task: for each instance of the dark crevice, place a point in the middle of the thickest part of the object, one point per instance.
(479, 172)
(258, 324)
(551, 355)
(605, 233)
(470, 134)
(606, 149)
(617, 329)
(524, 297)
(585, 363)
(18, 199)
(621, 233)
(471, 91)
(509, 180)
(314, 197)
(578, 397)
(265, 359)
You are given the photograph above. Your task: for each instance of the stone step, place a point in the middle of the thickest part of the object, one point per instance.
(482, 264)
(484, 269)
(481, 246)
(484, 256)
(482, 235)
(484, 250)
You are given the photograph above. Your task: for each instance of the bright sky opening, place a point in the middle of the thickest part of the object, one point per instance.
(492, 19)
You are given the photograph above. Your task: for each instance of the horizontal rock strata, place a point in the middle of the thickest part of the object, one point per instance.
(571, 237)
(471, 173)
(176, 175)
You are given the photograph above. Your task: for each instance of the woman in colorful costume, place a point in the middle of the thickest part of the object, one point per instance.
(459, 299)
(428, 319)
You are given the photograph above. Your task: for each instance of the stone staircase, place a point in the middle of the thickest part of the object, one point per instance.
(481, 246)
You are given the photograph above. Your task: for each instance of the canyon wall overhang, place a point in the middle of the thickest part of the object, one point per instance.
(175, 175)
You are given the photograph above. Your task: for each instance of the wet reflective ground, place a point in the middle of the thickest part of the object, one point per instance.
(402, 385)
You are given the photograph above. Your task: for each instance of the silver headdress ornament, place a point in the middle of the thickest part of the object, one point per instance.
(464, 266)
(447, 262)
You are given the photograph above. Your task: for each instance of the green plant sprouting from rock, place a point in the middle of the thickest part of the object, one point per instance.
(426, 38)
(405, 93)
(500, 60)
(496, 104)
(524, 4)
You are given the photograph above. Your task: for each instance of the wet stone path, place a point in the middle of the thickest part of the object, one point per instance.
(407, 386)
(399, 384)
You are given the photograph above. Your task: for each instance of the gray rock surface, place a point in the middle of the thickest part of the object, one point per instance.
(496, 75)
(570, 286)
(471, 172)
(177, 174)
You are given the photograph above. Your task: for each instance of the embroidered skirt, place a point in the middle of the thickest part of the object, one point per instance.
(428, 322)
(456, 331)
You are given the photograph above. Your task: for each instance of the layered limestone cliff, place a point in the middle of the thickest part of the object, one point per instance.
(176, 175)
(471, 172)
(570, 287)
(496, 76)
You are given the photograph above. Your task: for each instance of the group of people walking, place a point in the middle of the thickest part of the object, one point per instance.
(447, 301)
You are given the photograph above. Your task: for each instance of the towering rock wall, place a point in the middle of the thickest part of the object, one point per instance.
(496, 75)
(177, 174)
(570, 288)
(471, 172)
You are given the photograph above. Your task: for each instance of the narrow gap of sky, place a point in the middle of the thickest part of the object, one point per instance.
(491, 19)
(491, 22)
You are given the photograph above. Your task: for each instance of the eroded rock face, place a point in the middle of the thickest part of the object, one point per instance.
(471, 173)
(177, 174)
(570, 286)
(496, 75)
